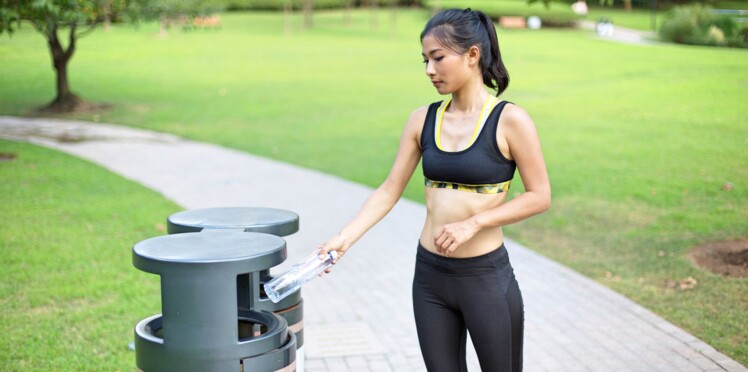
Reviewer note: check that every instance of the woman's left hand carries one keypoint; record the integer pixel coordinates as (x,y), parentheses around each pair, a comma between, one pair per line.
(450,236)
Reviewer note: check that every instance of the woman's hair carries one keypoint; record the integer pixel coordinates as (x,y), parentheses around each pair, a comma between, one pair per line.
(458,30)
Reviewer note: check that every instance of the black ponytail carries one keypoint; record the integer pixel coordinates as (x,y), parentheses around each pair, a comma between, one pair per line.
(495,75)
(459,30)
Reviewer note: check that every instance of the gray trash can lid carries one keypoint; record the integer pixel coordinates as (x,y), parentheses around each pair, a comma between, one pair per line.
(278,222)
(234,251)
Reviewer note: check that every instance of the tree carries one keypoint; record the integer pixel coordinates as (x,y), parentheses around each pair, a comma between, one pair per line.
(80,17)
(52,18)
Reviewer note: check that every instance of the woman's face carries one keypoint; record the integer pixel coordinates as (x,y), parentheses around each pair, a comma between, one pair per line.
(447,70)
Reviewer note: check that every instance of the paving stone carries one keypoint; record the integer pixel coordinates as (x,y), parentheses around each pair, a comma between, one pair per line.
(315,363)
(356,362)
(382,366)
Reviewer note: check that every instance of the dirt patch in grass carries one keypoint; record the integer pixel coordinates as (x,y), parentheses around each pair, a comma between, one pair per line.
(728,258)
(77,106)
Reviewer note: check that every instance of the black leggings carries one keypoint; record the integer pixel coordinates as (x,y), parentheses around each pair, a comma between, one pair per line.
(476,294)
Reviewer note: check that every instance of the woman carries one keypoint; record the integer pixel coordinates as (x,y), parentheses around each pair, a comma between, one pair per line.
(471,145)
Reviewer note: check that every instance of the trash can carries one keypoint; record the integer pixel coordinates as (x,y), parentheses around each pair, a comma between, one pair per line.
(251,294)
(201,327)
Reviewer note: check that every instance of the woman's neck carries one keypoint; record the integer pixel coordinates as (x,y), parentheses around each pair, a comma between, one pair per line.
(469,99)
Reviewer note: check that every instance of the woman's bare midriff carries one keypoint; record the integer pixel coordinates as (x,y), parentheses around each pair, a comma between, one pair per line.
(444,206)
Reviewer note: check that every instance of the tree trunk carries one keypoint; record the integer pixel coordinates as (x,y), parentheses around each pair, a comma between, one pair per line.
(308,9)
(163,25)
(107,10)
(347,13)
(393,18)
(627,5)
(374,14)
(287,13)
(65,100)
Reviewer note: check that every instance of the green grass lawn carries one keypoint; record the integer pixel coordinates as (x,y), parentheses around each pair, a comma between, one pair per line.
(70,294)
(639,140)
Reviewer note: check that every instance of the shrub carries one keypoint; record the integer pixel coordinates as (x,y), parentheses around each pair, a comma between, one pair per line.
(695,24)
(728,25)
(678,30)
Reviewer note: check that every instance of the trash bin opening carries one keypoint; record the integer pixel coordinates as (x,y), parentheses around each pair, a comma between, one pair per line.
(249,329)
(155,328)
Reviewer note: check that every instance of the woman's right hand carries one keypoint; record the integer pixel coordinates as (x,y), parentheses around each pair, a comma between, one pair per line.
(337,243)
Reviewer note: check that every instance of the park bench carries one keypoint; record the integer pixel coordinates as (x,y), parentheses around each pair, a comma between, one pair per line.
(732,12)
(508,22)
(212,21)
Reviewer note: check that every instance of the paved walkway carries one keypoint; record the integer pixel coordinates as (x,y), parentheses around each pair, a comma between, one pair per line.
(624,35)
(359,317)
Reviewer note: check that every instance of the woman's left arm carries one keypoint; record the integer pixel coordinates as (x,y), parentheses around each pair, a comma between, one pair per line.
(524,147)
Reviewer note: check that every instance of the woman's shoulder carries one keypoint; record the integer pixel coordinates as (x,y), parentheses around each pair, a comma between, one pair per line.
(420,112)
(416,121)
(514,116)
(418,116)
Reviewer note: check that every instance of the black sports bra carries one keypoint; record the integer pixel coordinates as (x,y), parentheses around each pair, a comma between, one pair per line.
(479,168)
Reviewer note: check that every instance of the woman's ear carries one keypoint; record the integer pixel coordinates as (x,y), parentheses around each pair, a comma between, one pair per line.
(473,55)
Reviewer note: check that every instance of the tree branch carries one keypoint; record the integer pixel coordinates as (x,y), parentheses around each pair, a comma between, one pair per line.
(54,46)
(88,30)
(71,44)
(35,23)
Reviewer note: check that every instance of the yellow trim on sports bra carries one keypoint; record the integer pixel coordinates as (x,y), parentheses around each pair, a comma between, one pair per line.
(494,188)
(478,126)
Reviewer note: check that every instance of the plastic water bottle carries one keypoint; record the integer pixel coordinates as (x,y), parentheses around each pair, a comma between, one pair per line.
(300,273)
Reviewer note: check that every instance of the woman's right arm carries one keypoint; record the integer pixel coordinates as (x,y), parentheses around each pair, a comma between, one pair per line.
(388,193)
